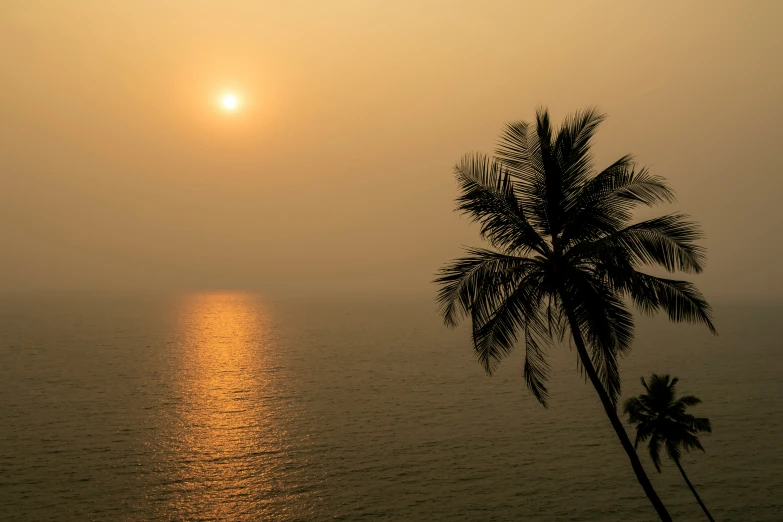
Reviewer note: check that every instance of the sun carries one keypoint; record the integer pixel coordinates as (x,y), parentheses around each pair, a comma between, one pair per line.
(229,101)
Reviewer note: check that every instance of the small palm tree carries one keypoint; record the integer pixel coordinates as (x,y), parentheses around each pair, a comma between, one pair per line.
(660,417)
(566,257)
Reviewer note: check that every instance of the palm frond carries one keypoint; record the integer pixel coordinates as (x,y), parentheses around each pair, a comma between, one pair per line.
(690,441)
(604,204)
(519,151)
(606,323)
(619,183)
(572,148)
(654,447)
(465,279)
(701,425)
(488,197)
(686,400)
(667,241)
(536,369)
(635,410)
(495,329)
(553,197)
(643,432)
(673,450)
(681,300)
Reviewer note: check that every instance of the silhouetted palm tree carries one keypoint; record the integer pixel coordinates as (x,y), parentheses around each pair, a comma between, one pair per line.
(565,257)
(660,417)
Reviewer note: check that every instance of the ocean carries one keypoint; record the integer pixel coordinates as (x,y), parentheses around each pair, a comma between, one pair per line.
(235,406)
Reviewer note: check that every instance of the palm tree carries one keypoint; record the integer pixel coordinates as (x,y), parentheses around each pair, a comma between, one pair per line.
(565,258)
(660,417)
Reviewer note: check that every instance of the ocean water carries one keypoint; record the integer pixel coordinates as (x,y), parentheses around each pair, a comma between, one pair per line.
(233,406)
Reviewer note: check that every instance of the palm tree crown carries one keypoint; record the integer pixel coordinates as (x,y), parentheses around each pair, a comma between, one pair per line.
(660,417)
(565,254)
(566,257)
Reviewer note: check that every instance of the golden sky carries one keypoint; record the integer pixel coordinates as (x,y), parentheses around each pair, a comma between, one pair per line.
(120,171)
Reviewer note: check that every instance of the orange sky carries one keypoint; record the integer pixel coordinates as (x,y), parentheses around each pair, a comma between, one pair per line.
(119,171)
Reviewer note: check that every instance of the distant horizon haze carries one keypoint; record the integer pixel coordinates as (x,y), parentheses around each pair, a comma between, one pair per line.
(121,174)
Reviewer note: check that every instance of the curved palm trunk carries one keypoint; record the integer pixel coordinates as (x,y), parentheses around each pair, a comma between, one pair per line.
(693,490)
(611,412)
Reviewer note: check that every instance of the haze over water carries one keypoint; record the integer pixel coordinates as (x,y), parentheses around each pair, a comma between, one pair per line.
(234,406)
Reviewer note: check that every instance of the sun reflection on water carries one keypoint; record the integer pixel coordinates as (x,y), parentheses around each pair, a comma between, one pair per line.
(226,439)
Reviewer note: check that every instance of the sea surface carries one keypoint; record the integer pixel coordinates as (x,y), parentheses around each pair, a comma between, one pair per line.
(234,406)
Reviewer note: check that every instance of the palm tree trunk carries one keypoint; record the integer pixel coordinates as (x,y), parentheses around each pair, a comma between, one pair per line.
(693,490)
(611,412)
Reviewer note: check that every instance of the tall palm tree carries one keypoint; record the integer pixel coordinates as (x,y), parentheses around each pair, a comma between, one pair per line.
(565,258)
(660,417)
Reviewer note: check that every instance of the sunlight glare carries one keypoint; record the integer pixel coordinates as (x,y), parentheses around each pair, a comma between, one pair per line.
(229,102)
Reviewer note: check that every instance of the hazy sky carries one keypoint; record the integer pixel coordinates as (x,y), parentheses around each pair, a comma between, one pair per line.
(119,171)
